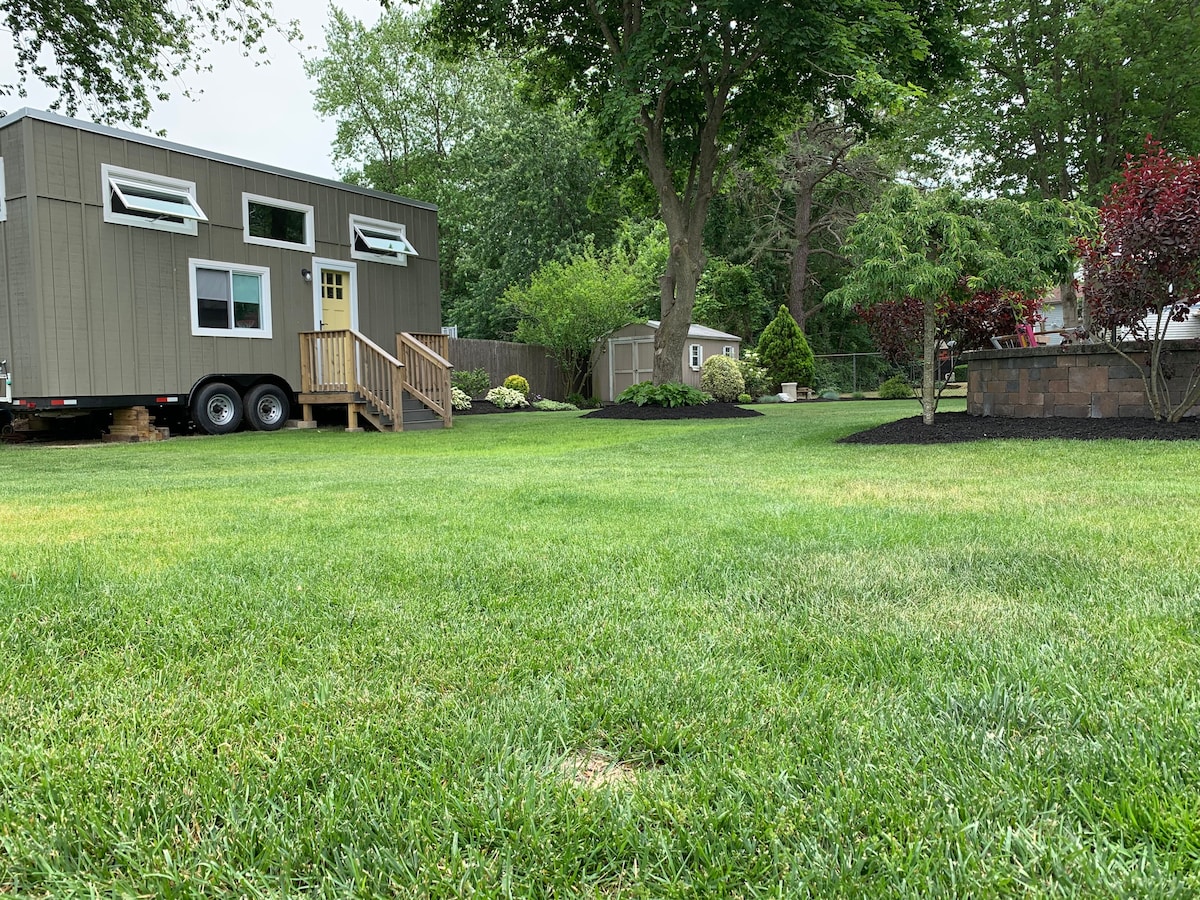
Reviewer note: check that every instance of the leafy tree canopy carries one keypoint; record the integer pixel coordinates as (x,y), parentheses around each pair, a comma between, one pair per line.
(682,86)
(567,307)
(512,181)
(1062,90)
(1143,267)
(117,56)
(937,245)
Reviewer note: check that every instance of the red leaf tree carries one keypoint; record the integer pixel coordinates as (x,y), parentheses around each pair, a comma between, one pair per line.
(965,321)
(1142,270)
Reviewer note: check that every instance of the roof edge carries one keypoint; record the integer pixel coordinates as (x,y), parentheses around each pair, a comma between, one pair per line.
(108,131)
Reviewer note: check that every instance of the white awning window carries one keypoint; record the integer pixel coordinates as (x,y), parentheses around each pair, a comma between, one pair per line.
(146,200)
(156,200)
(380,241)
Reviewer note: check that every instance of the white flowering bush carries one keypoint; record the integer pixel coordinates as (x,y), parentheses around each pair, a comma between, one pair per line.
(459,399)
(505,398)
(554,406)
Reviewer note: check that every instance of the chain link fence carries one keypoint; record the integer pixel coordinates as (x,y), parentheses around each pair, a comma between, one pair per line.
(849,373)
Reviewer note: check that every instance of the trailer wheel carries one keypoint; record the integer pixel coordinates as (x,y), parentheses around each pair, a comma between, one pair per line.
(267,407)
(217,408)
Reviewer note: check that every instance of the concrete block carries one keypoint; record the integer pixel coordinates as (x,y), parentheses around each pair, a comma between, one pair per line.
(1072,411)
(1088,380)
(1104,406)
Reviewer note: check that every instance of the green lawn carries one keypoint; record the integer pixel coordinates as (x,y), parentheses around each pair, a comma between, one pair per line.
(539,656)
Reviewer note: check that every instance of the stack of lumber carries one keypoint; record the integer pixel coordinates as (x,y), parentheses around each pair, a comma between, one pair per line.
(133,425)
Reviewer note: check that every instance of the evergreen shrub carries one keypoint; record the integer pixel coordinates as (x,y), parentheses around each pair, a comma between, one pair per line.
(720,377)
(517,383)
(784,352)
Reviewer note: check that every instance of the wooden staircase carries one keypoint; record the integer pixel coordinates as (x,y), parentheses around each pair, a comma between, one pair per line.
(406,392)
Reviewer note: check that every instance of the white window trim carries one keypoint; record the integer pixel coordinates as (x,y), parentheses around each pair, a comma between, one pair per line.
(727,350)
(695,356)
(395,229)
(3,193)
(310,243)
(320,263)
(237,268)
(187,226)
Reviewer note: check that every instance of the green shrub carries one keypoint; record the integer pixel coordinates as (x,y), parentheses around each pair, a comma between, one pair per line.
(577,399)
(858,395)
(553,406)
(459,399)
(830,394)
(960,372)
(670,394)
(472,382)
(506,398)
(896,388)
(720,377)
(756,378)
(517,383)
(784,351)
(745,398)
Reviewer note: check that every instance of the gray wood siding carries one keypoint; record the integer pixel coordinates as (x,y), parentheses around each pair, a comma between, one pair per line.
(19,341)
(111,303)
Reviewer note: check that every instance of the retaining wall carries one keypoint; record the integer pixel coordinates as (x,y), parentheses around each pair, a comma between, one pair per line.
(1071,381)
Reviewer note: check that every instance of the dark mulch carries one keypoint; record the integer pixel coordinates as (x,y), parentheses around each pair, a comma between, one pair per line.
(483,408)
(706,411)
(959,427)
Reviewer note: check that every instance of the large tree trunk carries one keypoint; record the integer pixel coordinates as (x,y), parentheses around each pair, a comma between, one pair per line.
(801,231)
(684,213)
(929,343)
(678,299)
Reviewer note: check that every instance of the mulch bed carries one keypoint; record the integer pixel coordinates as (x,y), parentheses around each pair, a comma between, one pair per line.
(706,411)
(631,411)
(947,428)
(959,427)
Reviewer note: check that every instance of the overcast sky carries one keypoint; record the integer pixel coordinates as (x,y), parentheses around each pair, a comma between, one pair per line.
(263,114)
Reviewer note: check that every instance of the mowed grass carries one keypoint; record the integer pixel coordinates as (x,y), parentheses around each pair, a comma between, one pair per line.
(542,656)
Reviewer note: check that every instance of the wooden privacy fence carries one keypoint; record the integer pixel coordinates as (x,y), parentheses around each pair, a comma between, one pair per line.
(501,359)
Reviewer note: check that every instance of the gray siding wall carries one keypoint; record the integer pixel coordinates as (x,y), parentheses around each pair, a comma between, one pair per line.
(19,340)
(112,305)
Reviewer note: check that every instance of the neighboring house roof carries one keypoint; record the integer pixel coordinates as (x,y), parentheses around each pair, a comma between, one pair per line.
(28,113)
(701,331)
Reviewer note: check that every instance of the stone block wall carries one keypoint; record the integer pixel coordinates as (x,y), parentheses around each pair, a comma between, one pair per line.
(1072,381)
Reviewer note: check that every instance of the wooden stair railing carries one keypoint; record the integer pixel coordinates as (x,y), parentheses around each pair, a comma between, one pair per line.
(438,343)
(349,363)
(426,375)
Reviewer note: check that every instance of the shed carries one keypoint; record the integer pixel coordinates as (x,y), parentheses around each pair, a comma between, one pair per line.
(626,356)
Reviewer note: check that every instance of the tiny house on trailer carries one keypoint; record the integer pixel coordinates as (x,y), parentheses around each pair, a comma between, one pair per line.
(135,272)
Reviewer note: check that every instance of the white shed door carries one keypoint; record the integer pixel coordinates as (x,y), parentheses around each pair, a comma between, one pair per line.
(631,361)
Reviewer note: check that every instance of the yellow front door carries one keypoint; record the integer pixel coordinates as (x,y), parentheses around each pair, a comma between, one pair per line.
(335,300)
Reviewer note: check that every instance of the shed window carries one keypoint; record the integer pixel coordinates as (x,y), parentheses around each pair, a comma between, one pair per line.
(695,355)
(277,223)
(728,351)
(230,300)
(380,241)
(150,201)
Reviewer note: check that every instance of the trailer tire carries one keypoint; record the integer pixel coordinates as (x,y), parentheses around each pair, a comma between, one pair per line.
(267,407)
(217,408)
